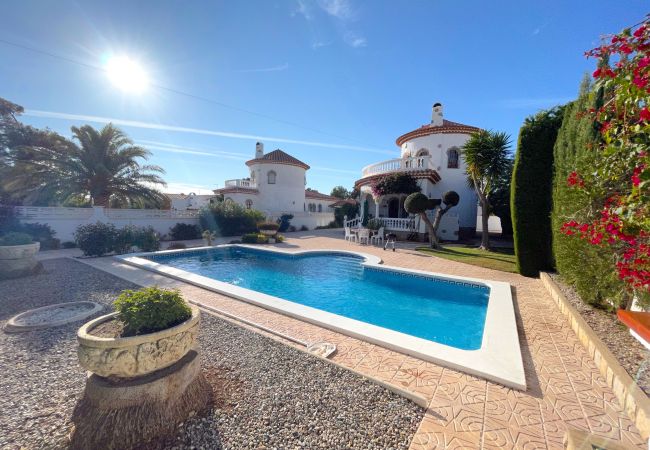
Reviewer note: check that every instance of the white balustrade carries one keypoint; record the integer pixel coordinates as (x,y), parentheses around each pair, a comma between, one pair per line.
(398,224)
(241,182)
(352,222)
(398,165)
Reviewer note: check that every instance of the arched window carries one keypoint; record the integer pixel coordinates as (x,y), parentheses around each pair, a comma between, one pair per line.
(253,176)
(452,158)
(249,203)
(271,177)
(320,208)
(422,152)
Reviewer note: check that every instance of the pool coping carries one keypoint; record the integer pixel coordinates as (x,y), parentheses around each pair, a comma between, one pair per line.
(498,359)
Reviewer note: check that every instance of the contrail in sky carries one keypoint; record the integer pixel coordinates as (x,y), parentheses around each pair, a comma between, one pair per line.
(227,134)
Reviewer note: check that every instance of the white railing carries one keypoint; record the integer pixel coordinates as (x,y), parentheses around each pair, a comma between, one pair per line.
(52,212)
(241,182)
(396,224)
(398,165)
(355,222)
(150,213)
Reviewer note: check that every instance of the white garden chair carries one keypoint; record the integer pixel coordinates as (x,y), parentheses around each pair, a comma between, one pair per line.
(364,235)
(349,235)
(378,237)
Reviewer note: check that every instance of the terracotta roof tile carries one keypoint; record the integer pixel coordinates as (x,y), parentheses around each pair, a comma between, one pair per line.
(278,157)
(447,127)
(319,196)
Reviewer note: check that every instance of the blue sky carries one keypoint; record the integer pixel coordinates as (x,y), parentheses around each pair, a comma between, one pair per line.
(332,82)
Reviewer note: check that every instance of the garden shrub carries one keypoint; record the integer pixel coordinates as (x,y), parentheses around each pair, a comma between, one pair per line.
(254,238)
(146,239)
(285,222)
(229,219)
(41,232)
(68,244)
(185,232)
(150,309)
(374,224)
(304,228)
(531,192)
(291,229)
(95,239)
(123,239)
(14,238)
(176,246)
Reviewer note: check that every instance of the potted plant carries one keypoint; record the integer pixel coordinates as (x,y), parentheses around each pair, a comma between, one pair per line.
(17,255)
(151,329)
(208,236)
(374,224)
(268,228)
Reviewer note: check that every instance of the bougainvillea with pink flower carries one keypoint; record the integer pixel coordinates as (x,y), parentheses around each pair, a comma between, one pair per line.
(618,184)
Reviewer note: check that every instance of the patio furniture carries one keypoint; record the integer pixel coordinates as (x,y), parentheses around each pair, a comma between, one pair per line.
(349,236)
(390,239)
(364,235)
(378,237)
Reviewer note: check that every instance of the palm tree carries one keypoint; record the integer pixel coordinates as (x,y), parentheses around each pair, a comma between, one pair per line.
(103,167)
(487,161)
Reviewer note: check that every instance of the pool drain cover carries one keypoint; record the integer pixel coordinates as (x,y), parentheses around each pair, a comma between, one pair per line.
(322,349)
(51,316)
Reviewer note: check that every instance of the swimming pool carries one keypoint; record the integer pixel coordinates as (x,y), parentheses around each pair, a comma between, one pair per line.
(463,323)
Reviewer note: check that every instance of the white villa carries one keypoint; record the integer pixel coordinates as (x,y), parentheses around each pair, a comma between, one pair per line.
(276,186)
(432,154)
(189,202)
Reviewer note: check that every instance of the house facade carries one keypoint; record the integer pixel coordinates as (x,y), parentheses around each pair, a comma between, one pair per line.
(432,154)
(189,202)
(276,186)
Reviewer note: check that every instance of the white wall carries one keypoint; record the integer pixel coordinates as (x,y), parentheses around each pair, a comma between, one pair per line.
(64,221)
(451,179)
(288,192)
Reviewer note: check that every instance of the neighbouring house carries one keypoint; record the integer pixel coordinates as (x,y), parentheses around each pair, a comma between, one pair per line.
(432,154)
(189,202)
(276,186)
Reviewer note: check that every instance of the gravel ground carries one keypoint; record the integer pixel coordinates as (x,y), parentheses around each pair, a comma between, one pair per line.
(267,395)
(629,352)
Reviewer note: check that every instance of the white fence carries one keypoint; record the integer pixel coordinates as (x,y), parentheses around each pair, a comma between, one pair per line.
(64,221)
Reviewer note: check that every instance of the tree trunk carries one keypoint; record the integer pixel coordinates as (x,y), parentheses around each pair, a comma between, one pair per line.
(433,237)
(101,200)
(485,233)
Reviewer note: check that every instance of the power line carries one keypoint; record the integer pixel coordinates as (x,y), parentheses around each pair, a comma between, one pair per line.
(182,93)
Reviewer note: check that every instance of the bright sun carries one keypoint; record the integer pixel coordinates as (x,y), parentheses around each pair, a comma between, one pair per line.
(126,74)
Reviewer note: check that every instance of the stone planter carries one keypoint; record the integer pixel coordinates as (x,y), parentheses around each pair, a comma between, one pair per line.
(269,233)
(127,357)
(18,260)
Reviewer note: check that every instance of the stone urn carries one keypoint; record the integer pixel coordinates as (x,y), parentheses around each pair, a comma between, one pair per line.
(134,356)
(18,260)
(269,233)
(134,376)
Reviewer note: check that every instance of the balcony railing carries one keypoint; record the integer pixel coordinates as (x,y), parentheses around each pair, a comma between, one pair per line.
(241,182)
(398,165)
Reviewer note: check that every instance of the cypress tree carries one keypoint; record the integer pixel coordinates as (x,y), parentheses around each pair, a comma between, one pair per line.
(531,202)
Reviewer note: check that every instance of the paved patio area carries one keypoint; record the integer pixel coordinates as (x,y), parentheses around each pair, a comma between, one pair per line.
(565,389)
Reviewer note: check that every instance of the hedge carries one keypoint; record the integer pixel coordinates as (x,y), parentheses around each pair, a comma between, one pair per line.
(531,192)
(228,218)
(587,267)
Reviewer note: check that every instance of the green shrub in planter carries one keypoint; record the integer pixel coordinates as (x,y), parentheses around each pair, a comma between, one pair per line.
(150,309)
(254,238)
(146,239)
(373,224)
(185,232)
(41,232)
(13,238)
(271,226)
(95,239)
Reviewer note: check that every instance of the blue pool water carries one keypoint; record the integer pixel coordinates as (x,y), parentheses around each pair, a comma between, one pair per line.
(439,310)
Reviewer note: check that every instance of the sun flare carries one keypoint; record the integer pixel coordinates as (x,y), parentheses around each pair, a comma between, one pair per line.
(127,74)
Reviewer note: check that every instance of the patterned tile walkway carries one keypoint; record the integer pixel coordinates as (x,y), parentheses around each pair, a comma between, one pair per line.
(565,389)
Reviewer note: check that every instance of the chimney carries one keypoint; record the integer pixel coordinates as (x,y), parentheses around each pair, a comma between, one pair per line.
(436,115)
(259,150)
